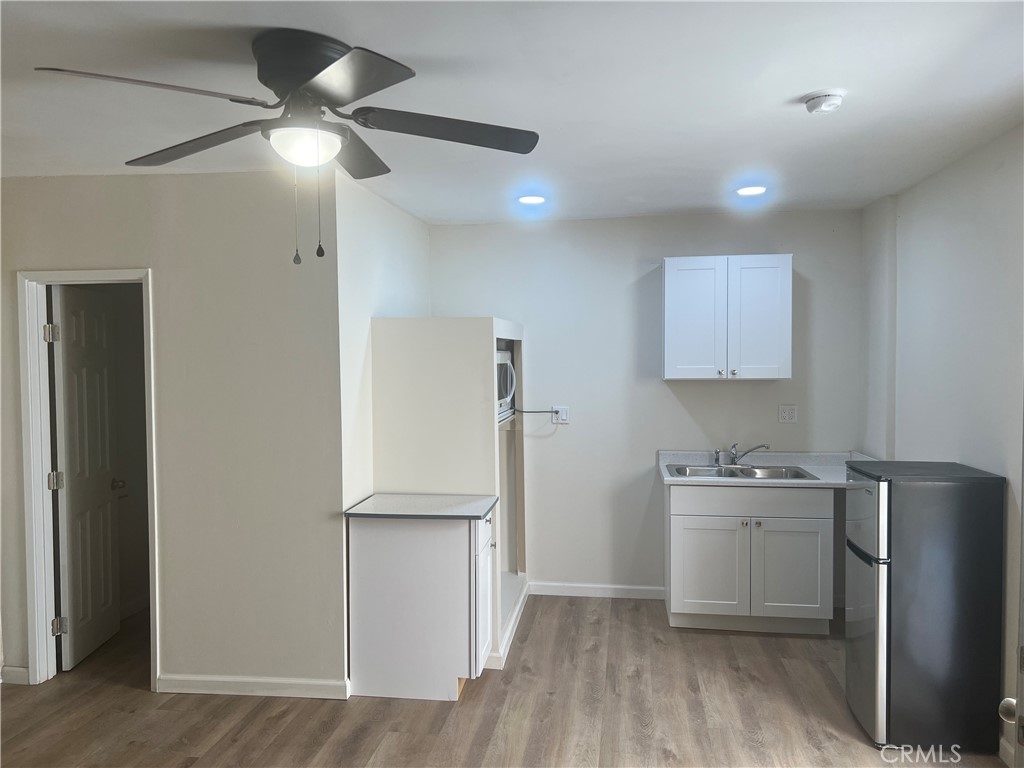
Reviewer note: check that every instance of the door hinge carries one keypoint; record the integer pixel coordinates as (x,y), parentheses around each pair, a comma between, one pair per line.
(59,626)
(51,333)
(54,481)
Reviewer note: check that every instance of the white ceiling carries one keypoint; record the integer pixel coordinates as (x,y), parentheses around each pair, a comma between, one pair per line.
(641,107)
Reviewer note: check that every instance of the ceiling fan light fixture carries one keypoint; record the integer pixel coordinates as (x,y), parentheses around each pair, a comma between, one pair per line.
(305,147)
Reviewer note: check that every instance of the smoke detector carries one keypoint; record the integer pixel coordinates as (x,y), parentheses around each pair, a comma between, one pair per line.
(825,101)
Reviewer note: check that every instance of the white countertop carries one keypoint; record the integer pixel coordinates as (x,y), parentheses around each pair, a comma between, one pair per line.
(424,506)
(829,468)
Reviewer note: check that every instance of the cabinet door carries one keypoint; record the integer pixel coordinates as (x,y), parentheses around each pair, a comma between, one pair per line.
(482,607)
(696,317)
(710,565)
(760,316)
(791,568)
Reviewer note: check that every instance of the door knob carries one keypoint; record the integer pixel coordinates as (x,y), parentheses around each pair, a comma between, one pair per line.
(117,485)
(1008,710)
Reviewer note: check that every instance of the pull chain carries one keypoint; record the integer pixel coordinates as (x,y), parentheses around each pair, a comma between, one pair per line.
(319,236)
(295,187)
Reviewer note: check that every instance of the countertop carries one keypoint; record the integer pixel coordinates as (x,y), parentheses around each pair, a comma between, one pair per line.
(424,506)
(829,468)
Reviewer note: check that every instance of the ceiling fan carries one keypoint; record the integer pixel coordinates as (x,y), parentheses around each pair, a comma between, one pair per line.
(310,73)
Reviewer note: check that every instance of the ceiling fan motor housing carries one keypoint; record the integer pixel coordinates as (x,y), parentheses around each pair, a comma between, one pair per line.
(288,58)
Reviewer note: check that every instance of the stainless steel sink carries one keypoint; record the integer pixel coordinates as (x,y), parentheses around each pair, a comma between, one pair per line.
(774,473)
(684,470)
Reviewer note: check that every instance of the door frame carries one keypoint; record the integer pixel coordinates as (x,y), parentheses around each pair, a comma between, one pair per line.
(35,422)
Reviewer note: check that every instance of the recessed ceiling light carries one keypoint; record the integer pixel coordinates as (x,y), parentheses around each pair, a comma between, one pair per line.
(531,199)
(749,191)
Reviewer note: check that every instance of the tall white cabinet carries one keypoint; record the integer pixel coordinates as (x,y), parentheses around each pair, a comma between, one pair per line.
(435,431)
(728,317)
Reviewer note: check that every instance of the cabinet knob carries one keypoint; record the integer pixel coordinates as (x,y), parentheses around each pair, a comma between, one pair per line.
(734,372)
(721,371)
(494,545)
(744,523)
(757,524)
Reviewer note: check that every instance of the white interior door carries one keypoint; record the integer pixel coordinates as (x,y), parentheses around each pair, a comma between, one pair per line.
(85,402)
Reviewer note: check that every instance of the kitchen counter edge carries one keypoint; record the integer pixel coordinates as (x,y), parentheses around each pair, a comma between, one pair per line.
(424,506)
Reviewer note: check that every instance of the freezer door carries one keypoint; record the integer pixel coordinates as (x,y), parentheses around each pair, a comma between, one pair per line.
(867,613)
(867,514)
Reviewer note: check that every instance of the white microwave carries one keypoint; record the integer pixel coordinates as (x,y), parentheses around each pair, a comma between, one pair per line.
(506,378)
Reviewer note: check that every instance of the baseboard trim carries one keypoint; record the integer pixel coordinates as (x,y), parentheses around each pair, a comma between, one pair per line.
(771,624)
(572,589)
(14,675)
(496,660)
(296,687)
(1006,751)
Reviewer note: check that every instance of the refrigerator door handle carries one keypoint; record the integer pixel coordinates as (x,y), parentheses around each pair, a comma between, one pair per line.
(864,556)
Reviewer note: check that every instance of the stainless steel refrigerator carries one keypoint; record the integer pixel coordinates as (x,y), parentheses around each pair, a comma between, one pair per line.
(924,601)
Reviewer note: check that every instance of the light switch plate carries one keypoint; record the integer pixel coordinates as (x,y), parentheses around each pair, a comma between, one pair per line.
(787,414)
(560,415)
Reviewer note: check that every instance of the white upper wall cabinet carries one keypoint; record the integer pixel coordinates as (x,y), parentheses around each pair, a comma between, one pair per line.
(729,317)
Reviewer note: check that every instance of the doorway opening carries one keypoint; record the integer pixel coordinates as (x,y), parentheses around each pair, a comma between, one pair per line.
(89,465)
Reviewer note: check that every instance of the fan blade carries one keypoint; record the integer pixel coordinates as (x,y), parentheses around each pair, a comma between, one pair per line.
(355,75)
(150,84)
(447,129)
(359,160)
(192,146)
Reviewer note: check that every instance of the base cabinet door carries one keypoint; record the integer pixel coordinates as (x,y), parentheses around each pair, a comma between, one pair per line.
(482,623)
(791,568)
(710,565)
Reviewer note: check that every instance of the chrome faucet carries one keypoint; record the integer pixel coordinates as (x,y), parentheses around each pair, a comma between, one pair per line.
(735,457)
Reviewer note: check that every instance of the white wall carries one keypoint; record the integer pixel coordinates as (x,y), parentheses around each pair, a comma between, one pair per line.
(589,296)
(382,272)
(878,239)
(247,408)
(960,331)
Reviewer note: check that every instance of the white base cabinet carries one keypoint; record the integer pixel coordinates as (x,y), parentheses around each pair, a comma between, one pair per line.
(749,552)
(420,605)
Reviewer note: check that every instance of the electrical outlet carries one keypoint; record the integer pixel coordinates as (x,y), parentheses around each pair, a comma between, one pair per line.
(560,414)
(787,414)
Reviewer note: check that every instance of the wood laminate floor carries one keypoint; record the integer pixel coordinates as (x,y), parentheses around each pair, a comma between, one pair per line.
(589,681)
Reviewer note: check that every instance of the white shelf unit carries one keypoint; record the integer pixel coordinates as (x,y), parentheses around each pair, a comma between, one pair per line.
(435,430)
(728,317)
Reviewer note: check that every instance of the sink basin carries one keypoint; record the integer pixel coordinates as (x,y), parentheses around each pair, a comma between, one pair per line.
(774,473)
(683,470)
